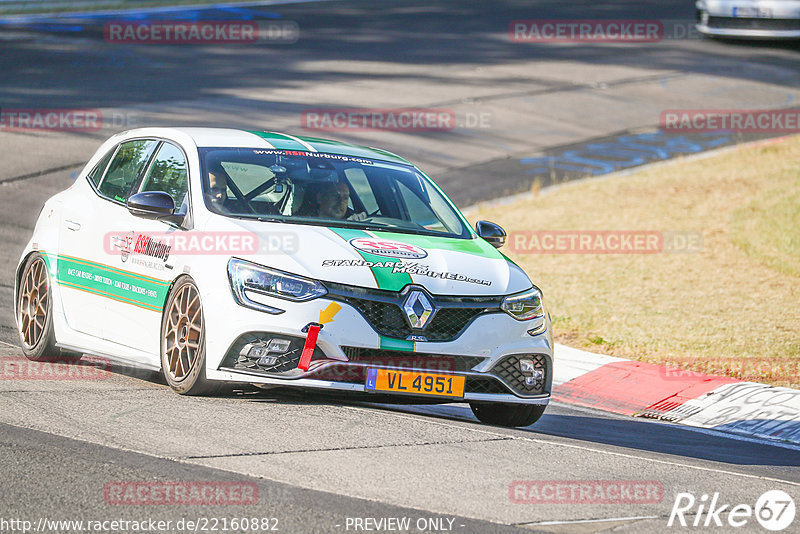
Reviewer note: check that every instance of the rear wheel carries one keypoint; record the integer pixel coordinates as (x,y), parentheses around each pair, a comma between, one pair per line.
(183,354)
(507,414)
(35,314)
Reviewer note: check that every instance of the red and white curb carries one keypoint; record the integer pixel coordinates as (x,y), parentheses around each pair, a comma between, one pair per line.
(695,399)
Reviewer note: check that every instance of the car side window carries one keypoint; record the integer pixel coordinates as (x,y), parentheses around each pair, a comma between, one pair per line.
(125,169)
(97,173)
(168,173)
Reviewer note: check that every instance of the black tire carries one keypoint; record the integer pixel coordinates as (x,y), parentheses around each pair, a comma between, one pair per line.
(35,314)
(183,346)
(511,415)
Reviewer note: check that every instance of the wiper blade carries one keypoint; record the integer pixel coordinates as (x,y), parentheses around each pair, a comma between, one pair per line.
(270,219)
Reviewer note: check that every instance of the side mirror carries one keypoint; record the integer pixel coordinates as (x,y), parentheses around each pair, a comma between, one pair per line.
(491,232)
(152,205)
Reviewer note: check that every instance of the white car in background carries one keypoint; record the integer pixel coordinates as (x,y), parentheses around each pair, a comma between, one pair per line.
(768,19)
(219,256)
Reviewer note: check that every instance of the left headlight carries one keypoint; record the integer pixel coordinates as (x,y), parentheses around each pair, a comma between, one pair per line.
(524,306)
(246,277)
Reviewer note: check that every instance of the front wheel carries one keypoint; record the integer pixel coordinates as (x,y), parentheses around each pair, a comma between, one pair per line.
(507,414)
(183,343)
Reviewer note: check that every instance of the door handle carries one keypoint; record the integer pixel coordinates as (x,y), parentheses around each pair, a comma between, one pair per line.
(72,225)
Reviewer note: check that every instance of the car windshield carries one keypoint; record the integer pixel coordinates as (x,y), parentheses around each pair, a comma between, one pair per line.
(325,189)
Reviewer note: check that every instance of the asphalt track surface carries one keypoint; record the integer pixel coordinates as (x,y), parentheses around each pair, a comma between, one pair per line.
(318,461)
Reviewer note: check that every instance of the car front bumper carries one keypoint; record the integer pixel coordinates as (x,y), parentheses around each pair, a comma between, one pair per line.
(756,19)
(486,352)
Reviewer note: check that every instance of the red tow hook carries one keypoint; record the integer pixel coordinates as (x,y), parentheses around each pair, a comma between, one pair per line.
(311,343)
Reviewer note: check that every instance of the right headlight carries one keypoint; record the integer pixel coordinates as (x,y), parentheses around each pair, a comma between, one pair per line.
(524,306)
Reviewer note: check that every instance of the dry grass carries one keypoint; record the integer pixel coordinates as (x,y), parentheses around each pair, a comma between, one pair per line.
(733,308)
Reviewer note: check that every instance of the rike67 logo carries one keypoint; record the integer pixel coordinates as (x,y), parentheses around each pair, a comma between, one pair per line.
(774,510)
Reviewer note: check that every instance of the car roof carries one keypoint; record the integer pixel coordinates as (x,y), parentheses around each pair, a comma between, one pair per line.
(237,138)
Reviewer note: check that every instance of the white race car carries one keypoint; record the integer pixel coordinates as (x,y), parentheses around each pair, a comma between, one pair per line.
(758,19)
(221,255)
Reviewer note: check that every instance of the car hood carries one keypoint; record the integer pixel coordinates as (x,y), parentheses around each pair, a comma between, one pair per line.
(382,260)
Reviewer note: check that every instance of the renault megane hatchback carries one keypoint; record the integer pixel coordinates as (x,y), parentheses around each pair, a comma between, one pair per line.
(220,256)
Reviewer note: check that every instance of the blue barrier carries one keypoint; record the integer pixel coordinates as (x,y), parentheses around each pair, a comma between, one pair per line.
(624,152)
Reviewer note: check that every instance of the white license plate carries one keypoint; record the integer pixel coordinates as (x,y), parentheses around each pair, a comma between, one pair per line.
(752,12)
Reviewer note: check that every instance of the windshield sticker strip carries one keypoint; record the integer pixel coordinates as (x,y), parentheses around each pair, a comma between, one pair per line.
(385,278)
(110,283)
(306,154)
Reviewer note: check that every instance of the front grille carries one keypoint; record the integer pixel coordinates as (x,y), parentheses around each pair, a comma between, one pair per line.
(742,23)
(344,372)
(412,360)
(480,384)
(448,323)
(383,310)
(508,370)
(387,319)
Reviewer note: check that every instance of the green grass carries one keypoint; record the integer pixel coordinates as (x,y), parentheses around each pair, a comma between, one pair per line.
(768,229)
(731,308)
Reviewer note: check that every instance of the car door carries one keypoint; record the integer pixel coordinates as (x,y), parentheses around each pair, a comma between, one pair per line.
(86,274)
(149,255)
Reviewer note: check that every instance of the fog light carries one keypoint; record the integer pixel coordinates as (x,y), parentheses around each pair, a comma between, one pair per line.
(278,345)
(526,366)
(267,360)
(538,375)
(263,348)
(254,350)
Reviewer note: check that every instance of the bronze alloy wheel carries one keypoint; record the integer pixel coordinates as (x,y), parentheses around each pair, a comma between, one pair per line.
(183,346)
(32,306)
(182,335)
(35,314)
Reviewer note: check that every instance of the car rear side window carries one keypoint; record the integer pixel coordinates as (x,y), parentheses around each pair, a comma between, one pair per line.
(97,173)
(125,168)
(168,173)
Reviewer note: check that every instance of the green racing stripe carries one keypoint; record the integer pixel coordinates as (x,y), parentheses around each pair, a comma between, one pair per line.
(476,247)
(280,141)
(384,277)
(109,282)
